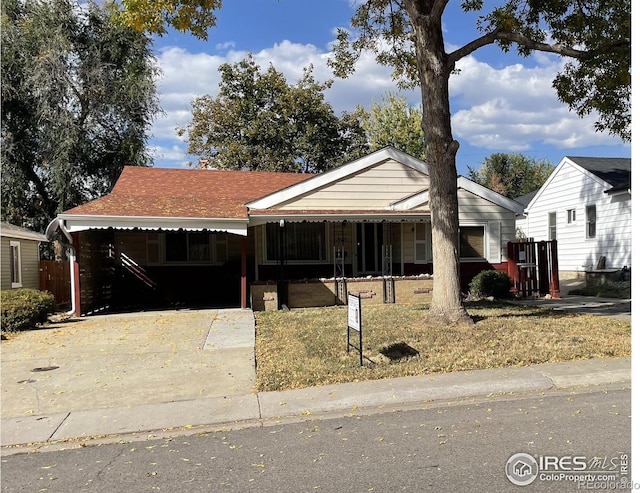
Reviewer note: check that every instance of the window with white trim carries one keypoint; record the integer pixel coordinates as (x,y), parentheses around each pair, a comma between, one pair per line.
(590,215)
(471,242)
(302,242)
(552,226)
(422,243)
(16,264)
(571,216)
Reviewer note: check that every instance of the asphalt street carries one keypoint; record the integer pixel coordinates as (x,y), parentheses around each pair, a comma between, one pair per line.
(459,445)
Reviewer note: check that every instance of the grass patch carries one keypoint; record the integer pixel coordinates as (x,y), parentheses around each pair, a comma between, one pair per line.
(307,347)
(604,291)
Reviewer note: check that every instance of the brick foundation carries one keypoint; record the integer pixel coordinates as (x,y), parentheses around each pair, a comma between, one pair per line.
(322,292)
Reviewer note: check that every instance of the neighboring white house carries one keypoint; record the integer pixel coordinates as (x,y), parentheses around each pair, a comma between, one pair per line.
(586,205)
(20,257)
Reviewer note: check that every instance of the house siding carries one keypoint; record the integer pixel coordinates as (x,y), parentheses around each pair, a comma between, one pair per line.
(30,263)
(573,188)
(375,188)
(476,210)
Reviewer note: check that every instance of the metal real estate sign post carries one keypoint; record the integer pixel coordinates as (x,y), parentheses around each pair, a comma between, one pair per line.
(354,321)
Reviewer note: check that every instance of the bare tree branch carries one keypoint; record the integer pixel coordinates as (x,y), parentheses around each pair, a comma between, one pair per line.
(517,38)
(558,49)
(472,46)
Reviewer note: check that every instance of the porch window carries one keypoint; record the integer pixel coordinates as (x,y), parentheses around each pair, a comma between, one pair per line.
(303,242)
(16,264)
(591,221)
(472,242)
(189,247)
(422,243)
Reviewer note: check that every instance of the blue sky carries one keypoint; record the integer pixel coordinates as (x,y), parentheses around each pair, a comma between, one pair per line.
(499,102)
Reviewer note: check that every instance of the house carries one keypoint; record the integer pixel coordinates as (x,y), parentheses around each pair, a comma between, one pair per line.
(585,205)
(20,257)
(171,236)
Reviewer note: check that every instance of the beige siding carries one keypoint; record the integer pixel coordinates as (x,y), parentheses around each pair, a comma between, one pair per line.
(375,188)
(475,210)
(132,244)
(6,263)
(30,263)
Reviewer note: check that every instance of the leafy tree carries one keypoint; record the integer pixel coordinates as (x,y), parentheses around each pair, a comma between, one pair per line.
(393,122)
(78,96)
(408,35)
(512,175)
(260,122)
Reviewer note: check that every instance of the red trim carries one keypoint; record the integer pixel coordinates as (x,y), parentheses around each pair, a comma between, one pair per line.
(243,275)
(76,276)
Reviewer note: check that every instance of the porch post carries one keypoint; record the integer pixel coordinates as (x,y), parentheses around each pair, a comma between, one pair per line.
(76,276)
(243,274)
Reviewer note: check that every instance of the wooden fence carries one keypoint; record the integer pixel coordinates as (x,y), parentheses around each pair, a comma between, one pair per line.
(55,277)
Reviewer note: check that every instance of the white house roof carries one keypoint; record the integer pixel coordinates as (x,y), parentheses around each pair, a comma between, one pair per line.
(12,231)
(612,173)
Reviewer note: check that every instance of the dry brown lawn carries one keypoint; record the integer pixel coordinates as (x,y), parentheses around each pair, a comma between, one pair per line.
(307,347)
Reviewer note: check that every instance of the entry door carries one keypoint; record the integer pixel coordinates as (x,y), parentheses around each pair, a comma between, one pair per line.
(369,248)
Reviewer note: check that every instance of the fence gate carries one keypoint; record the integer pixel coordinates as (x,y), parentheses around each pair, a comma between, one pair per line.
(55,277)
(533,267)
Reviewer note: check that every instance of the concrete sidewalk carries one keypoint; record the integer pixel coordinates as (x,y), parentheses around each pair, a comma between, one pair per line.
(250,409)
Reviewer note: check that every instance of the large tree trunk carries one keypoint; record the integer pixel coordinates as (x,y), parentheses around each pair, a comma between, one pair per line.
(434,70)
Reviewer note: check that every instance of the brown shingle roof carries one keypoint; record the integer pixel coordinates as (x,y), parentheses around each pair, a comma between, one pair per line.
(162,192)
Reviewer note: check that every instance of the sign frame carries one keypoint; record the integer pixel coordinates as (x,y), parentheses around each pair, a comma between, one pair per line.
(354,321)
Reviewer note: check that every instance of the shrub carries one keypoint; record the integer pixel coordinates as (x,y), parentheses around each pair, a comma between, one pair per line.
(491,283)
(22,309)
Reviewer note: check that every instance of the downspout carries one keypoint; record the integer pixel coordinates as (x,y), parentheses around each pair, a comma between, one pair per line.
(71,252)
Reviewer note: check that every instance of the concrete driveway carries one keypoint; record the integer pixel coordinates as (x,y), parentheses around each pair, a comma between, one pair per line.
(129,359)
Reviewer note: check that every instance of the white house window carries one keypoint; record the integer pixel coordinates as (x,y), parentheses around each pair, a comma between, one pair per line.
(552,226)
(571,216)
(16,264)
(472,242)
(303,242)
(591,221)
(422,243)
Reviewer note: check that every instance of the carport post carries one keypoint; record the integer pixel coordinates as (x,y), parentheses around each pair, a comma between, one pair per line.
(76,276)
(243,274)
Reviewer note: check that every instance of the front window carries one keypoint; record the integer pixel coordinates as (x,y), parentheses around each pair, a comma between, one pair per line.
(591,221)
(471,241)
(16,264)
(301,242)
(571,216)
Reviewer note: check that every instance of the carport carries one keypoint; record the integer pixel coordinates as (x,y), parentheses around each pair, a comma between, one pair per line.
(165,238)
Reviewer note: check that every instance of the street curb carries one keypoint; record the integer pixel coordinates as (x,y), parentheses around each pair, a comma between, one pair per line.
(36,432)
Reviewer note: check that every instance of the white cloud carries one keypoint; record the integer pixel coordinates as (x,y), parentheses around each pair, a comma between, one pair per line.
(505,109)
(510,108)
